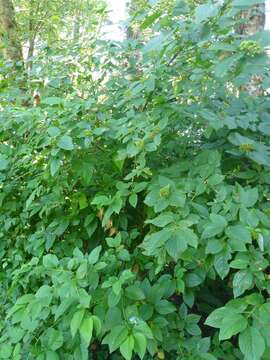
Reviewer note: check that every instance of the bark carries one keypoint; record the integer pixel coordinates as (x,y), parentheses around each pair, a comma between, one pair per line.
(30,53)
(8,32)
(254,21)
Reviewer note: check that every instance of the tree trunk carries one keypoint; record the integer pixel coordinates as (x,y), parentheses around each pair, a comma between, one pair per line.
(30,53)
(8,32)
(254,20)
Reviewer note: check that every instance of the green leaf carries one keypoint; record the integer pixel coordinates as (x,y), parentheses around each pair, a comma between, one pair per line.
(50,261)
(116,337)
(251,344)
(114,242)
(221,263)
(82,270)
(52,355)
(216,226)
(3,163)
(133,292)
(76,321)
(54,166)
(86,329)
(232,324)
(162,219)
(55,339)
(176,244)
(153,241)
(54,131)
(94,255)
(248,197)
(242,281)
(205,11)
(264,128)
(192,280)
(149,20)
(226,65)
(140,344)
(216,317)
(97,324)
(239,233)
(127,347)
(133,199)
(214,246)
(65,142)
(164,307)
(5,351)
(52,100)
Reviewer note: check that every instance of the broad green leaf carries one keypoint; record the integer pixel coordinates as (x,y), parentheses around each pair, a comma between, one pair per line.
(53,100)
(162,219)
(54,166)
(226,65)
(221,263)
(3,163)
(242,281)
(249,197)
(86,329)
(155,240)
(264,128)
(192,280)
(239,233)
(50,261)
(251,343)
(5,351)
(176,244)
(214,246)
(55,339)
(231,325)
(116,337)
(164,307)
(97,324)
(216,226)
(76,321)
(140,344)
(216,317)
(94,255)
(133,199)
(52,355)
(205,11)
(134,292)
(54,131)
(150,20)
(65,142)
(127,347)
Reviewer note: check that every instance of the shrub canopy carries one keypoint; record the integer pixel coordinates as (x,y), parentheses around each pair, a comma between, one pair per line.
(135,196)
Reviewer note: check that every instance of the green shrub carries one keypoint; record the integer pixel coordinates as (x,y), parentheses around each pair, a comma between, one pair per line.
(136,222)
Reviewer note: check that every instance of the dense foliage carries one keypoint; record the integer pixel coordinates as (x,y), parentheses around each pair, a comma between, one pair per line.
(135,195)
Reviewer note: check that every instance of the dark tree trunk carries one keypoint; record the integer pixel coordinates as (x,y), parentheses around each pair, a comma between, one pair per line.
(8,32)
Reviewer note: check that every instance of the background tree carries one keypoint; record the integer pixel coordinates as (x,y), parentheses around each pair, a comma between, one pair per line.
(9,33)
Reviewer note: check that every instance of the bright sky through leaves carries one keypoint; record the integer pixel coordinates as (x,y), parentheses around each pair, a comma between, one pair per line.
(118,15)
